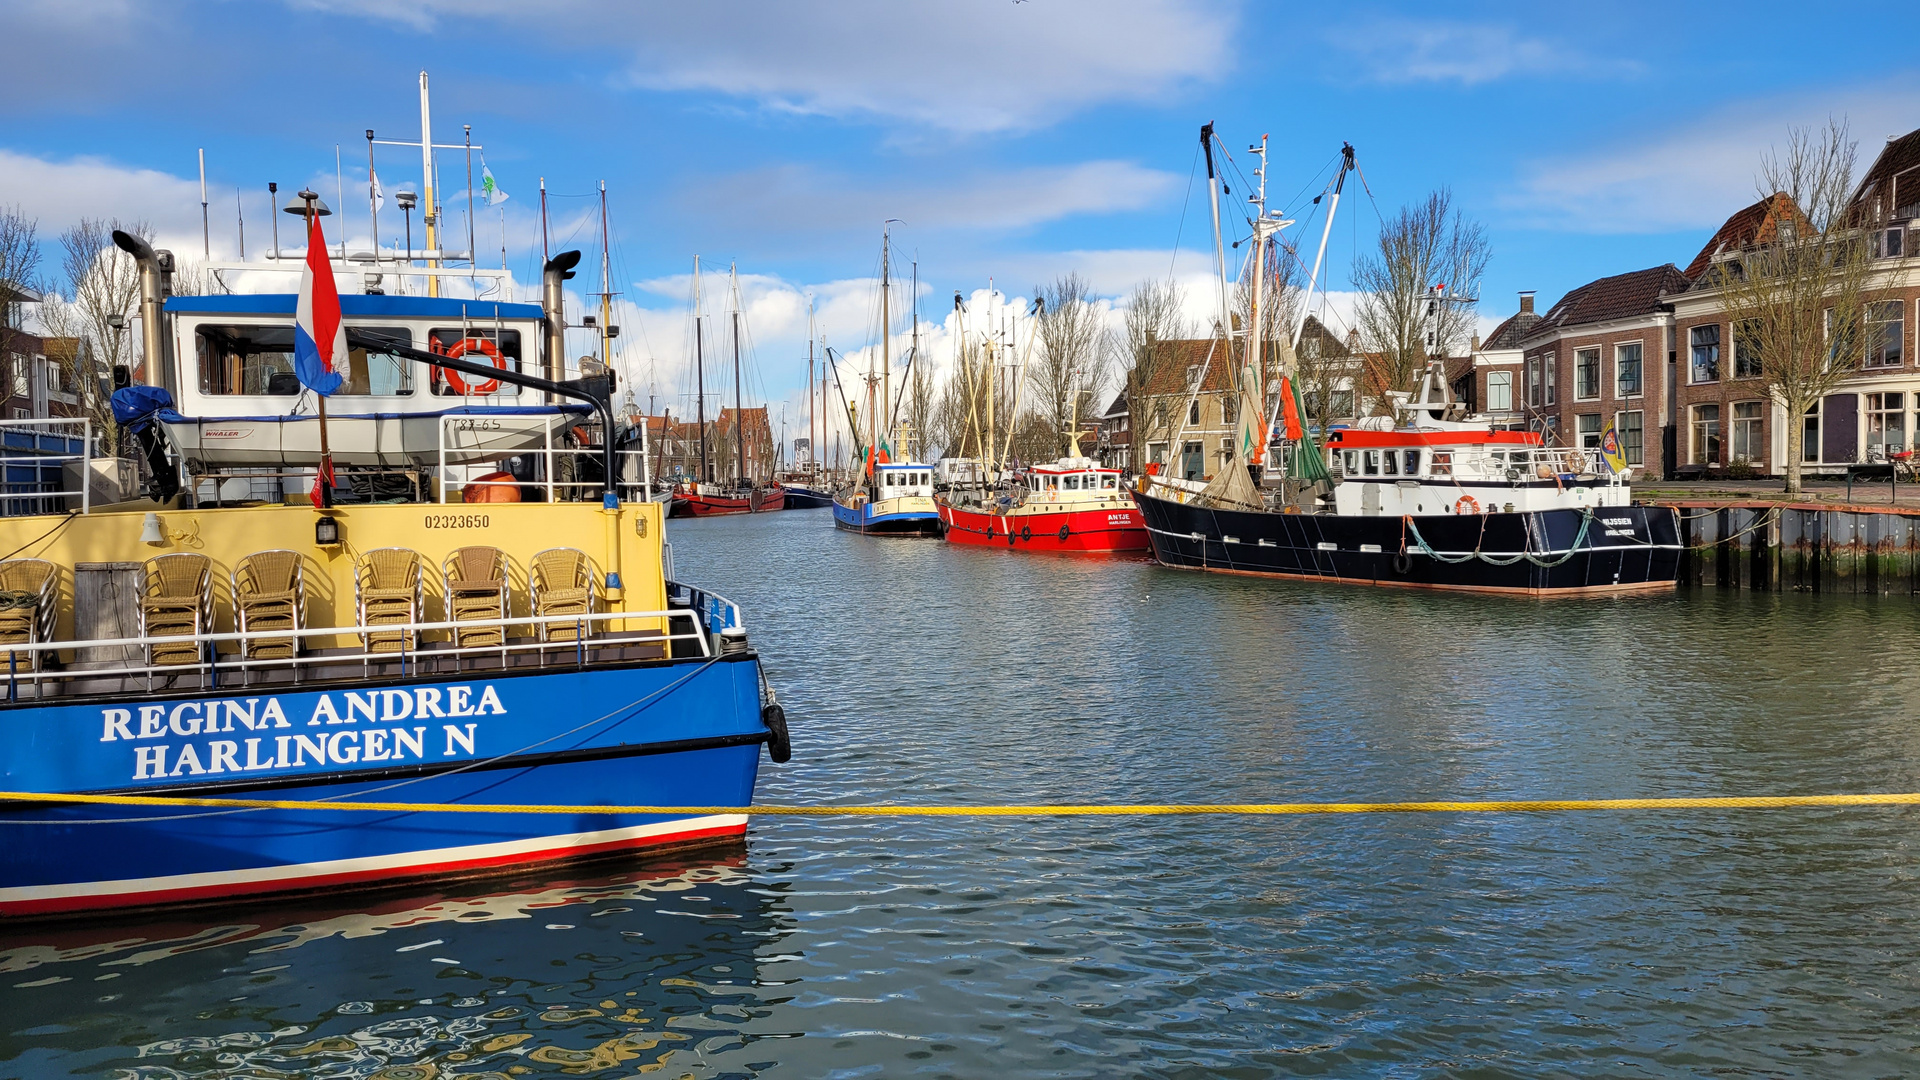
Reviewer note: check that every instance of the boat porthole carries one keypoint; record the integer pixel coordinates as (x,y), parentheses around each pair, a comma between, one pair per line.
(1063,534)
(1026,532)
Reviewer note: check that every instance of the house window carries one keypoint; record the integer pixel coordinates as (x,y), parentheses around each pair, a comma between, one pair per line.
(1746,351)
(1810,435)
(1706,434)
(1533,383)
(1887,421)
(1706,353)
(1193,412)
(1226,409)
(1550,368)
(1627,368)
(1887,243)
(1586,374)
(1193,463)
(1589,428)
(1632,437)
(1157,453)
(1886,333)
(1499,391)
(1746,431)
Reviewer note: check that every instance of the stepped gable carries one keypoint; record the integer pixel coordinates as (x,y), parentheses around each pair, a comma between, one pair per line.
(1616,297)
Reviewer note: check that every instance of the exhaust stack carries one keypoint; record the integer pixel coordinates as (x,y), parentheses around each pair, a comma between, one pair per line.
(156,284)
(553,303)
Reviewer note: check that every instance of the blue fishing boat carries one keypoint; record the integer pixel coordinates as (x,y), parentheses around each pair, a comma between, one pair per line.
(264,627)
(899,502)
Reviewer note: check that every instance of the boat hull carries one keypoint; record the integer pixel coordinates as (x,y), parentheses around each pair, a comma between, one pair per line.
(669,733)
(1105,531)
(867,521)
(760,501)
(802,498)
(1624,549)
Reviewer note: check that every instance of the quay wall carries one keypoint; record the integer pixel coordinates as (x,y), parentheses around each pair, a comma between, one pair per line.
(1790,547)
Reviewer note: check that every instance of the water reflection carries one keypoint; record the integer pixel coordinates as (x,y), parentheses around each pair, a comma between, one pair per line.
(572,973)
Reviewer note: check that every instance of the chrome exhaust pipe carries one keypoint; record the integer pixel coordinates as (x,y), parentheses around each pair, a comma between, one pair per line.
(553,303)
(156,284)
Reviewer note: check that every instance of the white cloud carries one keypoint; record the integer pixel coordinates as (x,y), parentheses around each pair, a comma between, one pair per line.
(1396,51)
(970,66)
(1698,171)
(61,192)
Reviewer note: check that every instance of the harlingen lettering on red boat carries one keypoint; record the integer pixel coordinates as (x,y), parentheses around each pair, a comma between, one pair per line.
(189,744)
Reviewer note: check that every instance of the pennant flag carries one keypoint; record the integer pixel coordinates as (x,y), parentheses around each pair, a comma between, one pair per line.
(319,337)
(488,188)
(379,196)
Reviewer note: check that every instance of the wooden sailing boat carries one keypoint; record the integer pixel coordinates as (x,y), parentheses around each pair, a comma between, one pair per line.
(887,497)
(749,487)
(807,487)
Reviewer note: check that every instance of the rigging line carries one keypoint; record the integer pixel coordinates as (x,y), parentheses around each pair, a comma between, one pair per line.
(1185,204)
(632,708)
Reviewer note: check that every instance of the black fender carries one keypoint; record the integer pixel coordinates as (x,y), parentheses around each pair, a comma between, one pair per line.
(779,745)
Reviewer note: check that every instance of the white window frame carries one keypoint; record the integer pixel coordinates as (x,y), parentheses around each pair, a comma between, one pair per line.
(1595,351)
(1642,392)
(1757,448)
(1506,385)
(1638,455)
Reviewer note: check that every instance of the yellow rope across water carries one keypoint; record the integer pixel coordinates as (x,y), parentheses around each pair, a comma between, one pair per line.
(1497,806)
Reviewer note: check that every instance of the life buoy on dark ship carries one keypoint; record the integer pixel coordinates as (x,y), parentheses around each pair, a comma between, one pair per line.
(1466,504)
(460,348)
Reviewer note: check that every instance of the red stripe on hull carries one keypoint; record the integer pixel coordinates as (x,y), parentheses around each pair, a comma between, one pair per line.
(1089,532)
(477,867)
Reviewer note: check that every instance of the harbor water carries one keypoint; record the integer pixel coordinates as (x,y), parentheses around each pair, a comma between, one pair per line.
(1620,943)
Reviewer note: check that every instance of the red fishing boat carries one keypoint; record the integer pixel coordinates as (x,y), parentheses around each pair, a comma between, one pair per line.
(1070,506)
(709,500)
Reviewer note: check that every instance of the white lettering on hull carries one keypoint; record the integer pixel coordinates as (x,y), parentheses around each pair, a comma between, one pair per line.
(186,725)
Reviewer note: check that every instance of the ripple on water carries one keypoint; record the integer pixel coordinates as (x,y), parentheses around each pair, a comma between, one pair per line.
(1654,943)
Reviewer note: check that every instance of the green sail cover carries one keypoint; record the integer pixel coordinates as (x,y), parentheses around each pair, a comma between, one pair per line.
(1308,463)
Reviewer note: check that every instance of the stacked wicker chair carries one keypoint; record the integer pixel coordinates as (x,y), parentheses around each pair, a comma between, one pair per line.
(476,582)
(387,589)
(176,600)
(269,594)
(561,584)
(27,589)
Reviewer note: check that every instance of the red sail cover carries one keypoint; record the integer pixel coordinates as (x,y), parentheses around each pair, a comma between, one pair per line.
(1289,410)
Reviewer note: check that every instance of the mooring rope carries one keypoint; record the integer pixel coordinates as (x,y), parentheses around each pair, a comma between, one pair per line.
(1448,806)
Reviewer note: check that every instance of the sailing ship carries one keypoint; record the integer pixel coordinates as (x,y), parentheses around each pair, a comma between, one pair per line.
(887,497)
(319,653)
(749,487)
(808,487)
(1433,498)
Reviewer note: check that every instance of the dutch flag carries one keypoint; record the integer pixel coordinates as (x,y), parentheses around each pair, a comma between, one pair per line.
(319,337)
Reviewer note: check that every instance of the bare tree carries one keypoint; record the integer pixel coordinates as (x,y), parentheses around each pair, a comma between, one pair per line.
(1328,374)
(1070,363)
(1798,296)
(102,287)
(19,269)
(917,408)
(1429,243)
(1155,322)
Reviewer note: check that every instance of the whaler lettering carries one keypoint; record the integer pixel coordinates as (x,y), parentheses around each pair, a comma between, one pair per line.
(187,755)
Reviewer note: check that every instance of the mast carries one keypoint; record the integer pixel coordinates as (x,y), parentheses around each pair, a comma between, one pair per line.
(427,196)
(810,413)
(1326,230)
(886,357)
(700,375)
(739,417)
(1219,249)
(606,291)
(1253,442)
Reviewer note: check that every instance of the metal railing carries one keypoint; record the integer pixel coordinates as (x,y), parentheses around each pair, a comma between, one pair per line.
(213,663)
(550,456)
(11,464)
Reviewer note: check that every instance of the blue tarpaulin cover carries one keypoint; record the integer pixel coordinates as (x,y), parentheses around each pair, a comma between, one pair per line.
(138,406)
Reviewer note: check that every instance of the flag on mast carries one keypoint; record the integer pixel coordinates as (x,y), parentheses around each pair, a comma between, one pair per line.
(319,337)
(379,196)
(490,190)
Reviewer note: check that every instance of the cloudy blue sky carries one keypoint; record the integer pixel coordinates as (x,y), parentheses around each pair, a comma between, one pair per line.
(1015,140)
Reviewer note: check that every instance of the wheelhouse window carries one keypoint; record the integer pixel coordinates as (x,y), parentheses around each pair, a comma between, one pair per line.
(1373,462)
(1390,463)
(258,360)
(1705,447)
(1705,343)
(1746,431)
(1886,333)
(1442,464)
(1350,462)
(1499,391)
(1628,370)
(1586,373)
(479,345)
(1887,421)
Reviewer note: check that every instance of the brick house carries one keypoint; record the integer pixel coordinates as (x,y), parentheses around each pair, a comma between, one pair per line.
(1498,368)
(1114,441)
(1596,357)
(37,377)
(1728,421)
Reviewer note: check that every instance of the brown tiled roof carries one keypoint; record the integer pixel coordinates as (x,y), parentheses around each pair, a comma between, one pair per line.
(1756,224)
(1901,155)
(1508,334)
(1170,374)
(1616,297)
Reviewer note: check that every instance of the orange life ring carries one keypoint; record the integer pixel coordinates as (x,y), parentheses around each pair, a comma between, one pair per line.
(460,348)
(1466,504)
